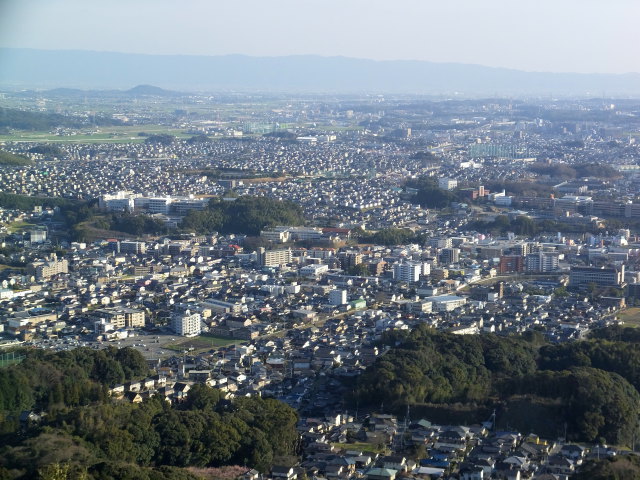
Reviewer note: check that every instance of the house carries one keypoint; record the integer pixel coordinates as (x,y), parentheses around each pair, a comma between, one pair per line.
(160,380)
(381,474)
(395,462)
(560,465)
(29,417)
(472,473)
(148,384)
(428,472)
(573,452)
(250,475)
(133,386)
(281,472)
(181,390)
(133,397)
(517,462)
(117,391)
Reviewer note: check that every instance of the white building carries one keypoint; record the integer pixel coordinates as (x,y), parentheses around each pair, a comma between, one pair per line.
(275,236)
(542,262)
(314,270)
(446,303)
(447,183)
(186,324)
(119,201)
(407,271)
(159,205)
(338,297)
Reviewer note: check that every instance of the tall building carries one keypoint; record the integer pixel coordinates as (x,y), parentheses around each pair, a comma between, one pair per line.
(338,297)
(44,269)
(133,247)
(449,255)
(37,236)
(600,276)
(541,262)
(120,317)
(186,323)
(274,258)
(441,242)
(407,271)
(511,264)
(349,259)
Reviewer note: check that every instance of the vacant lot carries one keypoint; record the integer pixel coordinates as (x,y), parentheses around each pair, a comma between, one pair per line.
(631,317)
(202,342)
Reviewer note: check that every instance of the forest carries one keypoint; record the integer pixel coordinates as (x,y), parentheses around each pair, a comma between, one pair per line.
(7,158)
(244,215)
(582,170)
(429,194)
(591,385)
(43,121)
(523,225)
(88,434)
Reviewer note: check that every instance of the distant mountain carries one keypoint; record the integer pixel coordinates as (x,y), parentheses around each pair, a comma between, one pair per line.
(26,68)
(151,90)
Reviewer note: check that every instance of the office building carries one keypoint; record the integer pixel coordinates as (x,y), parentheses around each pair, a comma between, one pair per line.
(600,276)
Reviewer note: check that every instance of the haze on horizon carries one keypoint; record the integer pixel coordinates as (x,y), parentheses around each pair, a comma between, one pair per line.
(582,36)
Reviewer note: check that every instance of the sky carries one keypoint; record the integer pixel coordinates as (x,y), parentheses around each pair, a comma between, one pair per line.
(585,36)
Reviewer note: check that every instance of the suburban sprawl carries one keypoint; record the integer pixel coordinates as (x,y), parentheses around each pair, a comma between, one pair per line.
(373,287)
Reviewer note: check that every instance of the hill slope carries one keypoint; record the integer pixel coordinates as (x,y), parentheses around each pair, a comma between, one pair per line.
(85,69)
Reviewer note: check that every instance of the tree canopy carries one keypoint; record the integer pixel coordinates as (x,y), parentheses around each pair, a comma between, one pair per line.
(594,381)
(246,215)
(429,194)
(87,433)
(8,158)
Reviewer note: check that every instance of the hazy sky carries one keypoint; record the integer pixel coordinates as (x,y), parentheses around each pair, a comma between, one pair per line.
(537,35)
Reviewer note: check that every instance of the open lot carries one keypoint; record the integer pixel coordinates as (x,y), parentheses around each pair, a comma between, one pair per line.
(19,226)
(630,317)
(202,342)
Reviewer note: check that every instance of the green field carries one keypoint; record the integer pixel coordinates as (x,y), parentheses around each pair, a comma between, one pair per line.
(202,342)
(20,226)
(630,317)
(119,134)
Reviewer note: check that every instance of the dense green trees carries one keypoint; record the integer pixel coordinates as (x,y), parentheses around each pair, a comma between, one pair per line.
(246,215)
(42,121)
(390,236)
(88,435)
(523,225)
(161,139)
(429,194)
(595,382)
(599,405)
(49,381)
(626,467)
(562,170)
(438,367)
(47,150)
(137,224)
(7,158)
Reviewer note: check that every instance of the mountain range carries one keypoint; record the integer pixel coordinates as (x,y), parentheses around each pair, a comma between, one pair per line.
(45,69)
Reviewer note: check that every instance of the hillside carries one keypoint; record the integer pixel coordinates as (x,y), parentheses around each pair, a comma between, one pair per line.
(590,386)
(85,69)
(7,158)
(86,433)
(246,215)
(44,121)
